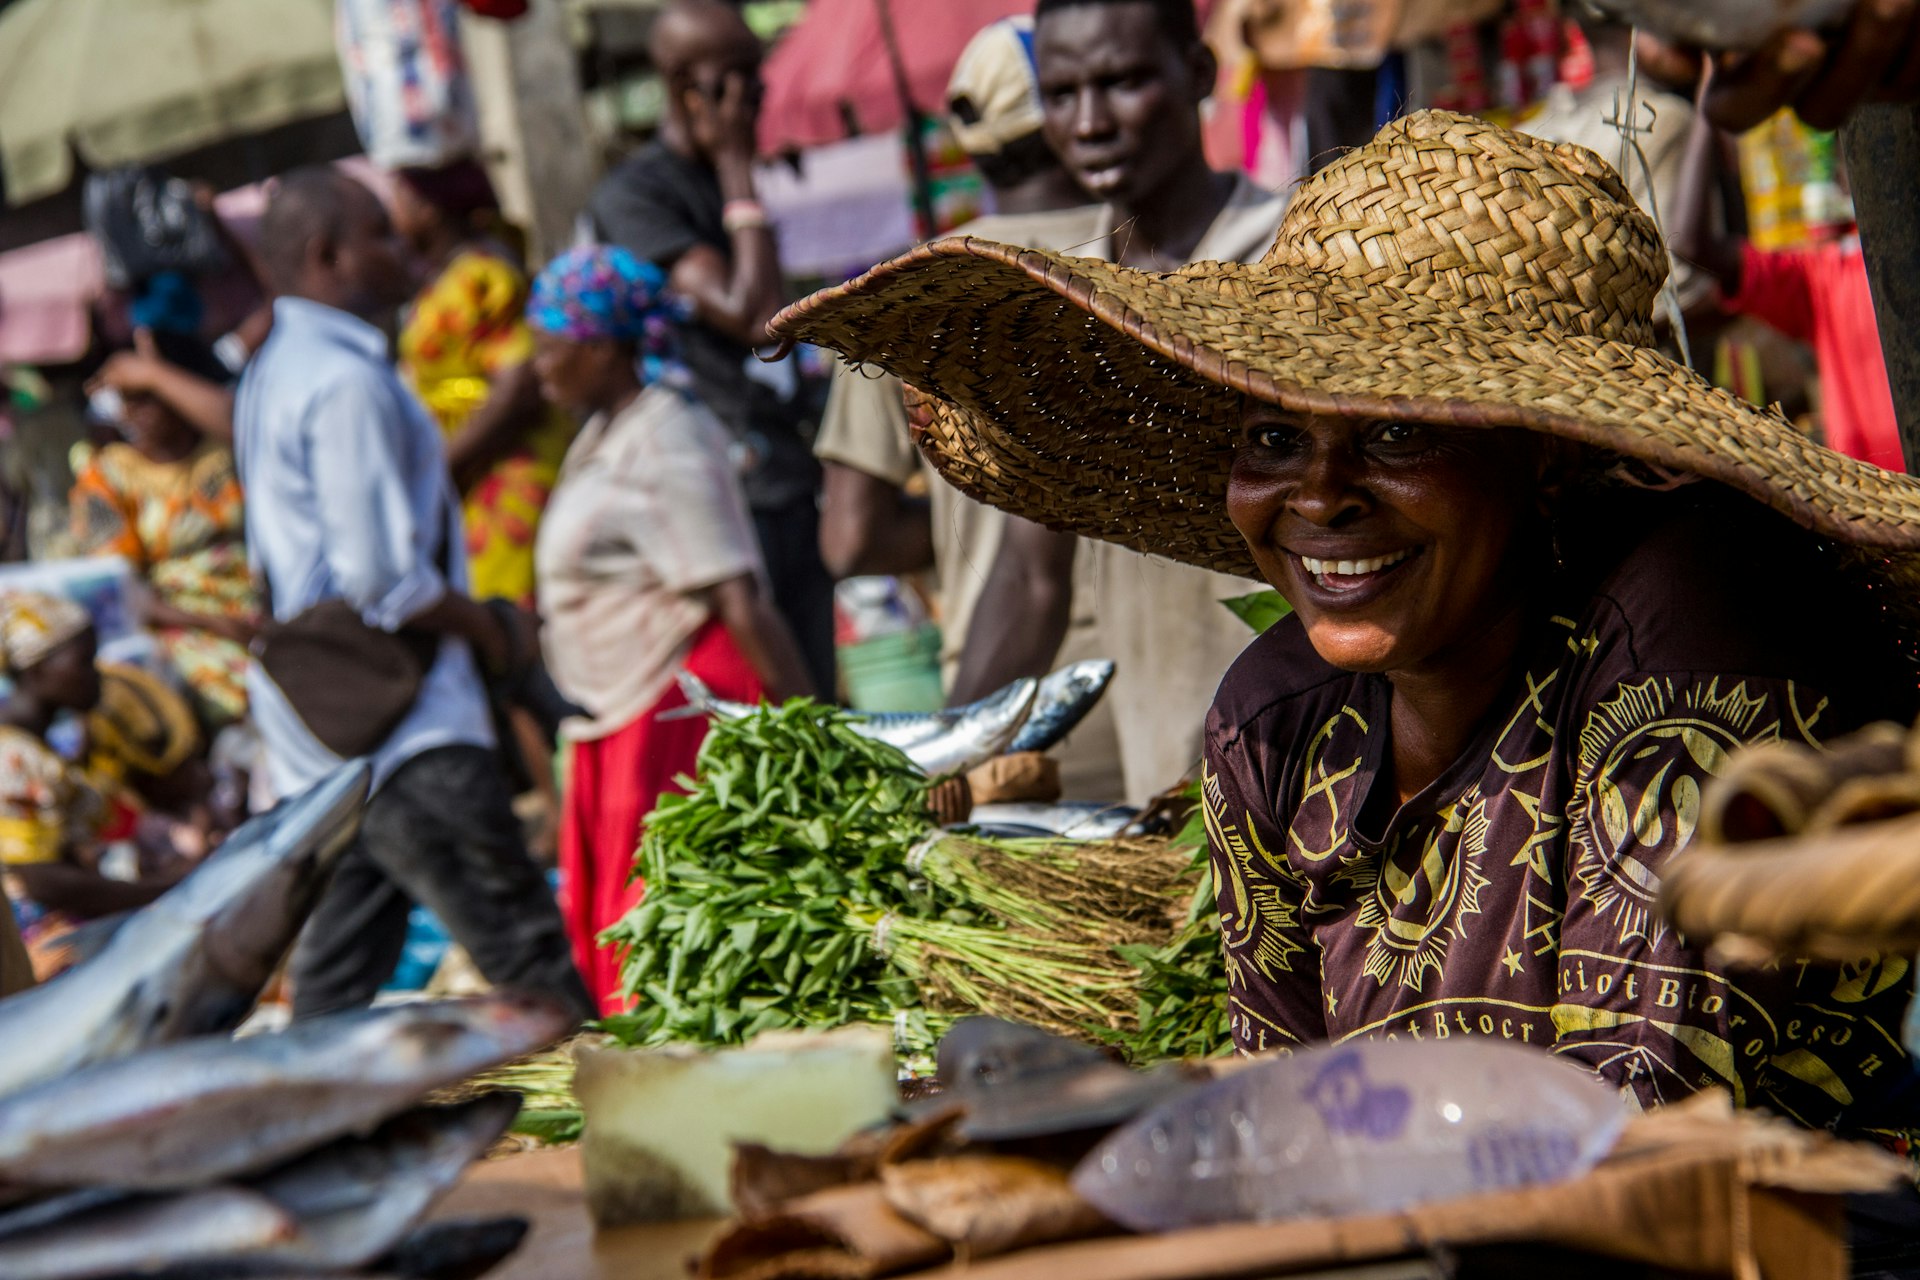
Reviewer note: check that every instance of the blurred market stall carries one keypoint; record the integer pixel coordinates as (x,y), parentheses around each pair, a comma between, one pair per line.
(123,81)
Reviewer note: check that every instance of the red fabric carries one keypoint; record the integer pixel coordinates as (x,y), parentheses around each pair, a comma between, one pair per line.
(1820,296)
(834,56)
(613,783)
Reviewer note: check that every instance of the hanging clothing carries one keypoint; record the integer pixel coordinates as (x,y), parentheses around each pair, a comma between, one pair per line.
(1820,296)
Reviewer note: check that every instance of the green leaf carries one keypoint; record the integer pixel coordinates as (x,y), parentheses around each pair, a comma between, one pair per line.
(1259,609)
(554,1125)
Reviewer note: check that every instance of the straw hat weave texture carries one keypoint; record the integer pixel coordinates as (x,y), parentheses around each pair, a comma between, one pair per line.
(1450,271)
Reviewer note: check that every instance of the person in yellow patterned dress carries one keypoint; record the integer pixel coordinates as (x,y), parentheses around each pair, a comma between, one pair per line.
(465,346)
(1544,582)
(54,815)
(167,499)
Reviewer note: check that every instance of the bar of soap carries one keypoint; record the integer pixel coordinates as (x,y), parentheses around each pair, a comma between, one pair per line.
(660,1123)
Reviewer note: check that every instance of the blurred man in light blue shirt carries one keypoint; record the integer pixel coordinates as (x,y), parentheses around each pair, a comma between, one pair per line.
(348,498)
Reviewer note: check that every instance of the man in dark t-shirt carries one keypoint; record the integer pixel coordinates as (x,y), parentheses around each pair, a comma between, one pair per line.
(687,203)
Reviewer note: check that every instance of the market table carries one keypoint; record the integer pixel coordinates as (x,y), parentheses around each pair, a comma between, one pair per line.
(546,1188)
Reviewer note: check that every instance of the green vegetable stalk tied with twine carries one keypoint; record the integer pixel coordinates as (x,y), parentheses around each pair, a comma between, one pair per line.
(744,927)
(1102,892)
(1062,985)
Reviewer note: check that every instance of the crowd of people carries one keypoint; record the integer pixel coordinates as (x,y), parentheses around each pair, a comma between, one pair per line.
(468,516)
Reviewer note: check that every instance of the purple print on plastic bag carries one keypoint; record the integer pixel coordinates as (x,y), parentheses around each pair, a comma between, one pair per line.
(1349,1103)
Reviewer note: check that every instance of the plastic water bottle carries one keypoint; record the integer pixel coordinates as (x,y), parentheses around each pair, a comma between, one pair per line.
(1348,1129)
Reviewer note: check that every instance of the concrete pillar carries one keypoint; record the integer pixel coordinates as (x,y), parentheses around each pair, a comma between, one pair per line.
(533,127)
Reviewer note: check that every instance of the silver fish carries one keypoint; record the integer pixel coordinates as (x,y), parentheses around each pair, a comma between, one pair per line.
(187,1114)
(1068,820)
(1732,25)
(35,1214)
(193,962)
(337,1209)
(357,1199)
(148,1234)
(1064,699)
(938,742)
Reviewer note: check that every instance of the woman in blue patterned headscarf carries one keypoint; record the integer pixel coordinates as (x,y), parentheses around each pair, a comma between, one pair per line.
(601,294)
(647,565)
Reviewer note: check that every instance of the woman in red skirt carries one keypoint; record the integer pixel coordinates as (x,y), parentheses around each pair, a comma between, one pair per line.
(647,565)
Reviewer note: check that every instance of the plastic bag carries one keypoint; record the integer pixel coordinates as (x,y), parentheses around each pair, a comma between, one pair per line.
(1348,1129)
(407,83)
(148,223)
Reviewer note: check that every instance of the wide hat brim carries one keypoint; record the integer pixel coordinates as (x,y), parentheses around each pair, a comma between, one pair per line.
(1105,401)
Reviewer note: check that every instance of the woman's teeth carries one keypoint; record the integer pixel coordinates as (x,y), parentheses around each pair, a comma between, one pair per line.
(1323,569)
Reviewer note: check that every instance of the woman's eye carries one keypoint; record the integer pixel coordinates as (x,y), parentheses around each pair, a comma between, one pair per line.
(1274,439)
(1400,437)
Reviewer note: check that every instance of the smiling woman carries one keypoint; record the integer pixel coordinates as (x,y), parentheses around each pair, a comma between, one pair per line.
(1544,582)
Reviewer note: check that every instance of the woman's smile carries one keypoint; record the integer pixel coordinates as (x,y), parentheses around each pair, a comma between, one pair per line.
(1354,579)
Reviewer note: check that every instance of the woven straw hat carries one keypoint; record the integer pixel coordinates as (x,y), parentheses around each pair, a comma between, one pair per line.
(1449,271)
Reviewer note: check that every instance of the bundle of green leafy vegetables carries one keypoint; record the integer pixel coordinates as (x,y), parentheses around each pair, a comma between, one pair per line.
(744,926)
(800,883)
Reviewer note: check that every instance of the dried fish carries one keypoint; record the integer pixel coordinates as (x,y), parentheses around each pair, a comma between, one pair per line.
(464,1249)
(194,961)
(1016,1081)
(988,1204)
(357,1199)
(187,1114)
(148,1234)
(337,1209)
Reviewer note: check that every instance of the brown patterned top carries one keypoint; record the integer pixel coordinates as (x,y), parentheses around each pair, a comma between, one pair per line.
(1513,898)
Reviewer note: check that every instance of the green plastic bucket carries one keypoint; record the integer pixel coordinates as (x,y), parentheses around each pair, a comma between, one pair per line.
(899,672)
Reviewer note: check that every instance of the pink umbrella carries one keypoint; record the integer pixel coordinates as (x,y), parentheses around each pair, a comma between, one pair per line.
(833,69)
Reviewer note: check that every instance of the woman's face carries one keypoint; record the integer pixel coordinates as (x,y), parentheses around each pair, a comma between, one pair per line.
(576,375)
(67,677)
(415,219)
(1398,544)
(150,424)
